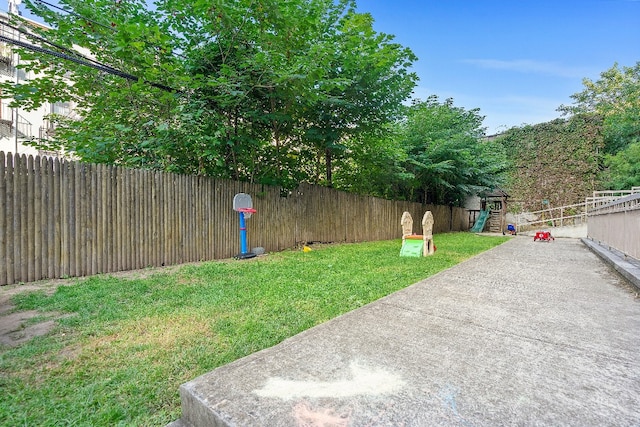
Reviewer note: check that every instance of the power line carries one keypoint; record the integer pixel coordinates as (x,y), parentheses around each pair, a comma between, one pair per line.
(63,48)
(95,65)
(79,16)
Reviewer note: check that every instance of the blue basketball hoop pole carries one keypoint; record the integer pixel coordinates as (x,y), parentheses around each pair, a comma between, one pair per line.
(244,254)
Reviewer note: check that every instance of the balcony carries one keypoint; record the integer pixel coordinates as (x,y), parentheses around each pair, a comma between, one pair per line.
(7,124)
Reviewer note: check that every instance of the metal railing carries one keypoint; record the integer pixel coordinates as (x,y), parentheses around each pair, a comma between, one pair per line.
(615,225)
(601,198)
(575,214)
(25,128)
(561,216)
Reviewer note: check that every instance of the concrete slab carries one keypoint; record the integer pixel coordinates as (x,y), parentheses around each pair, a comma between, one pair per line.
(627,266)
(529,333)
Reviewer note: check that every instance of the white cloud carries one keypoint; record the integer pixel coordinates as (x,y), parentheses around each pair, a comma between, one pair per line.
(530,66)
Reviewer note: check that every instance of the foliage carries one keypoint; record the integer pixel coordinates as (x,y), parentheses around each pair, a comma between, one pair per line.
(124,346)
(124,36)
(375,167)
(623,168)
(265,91)
(616,98)
(558,161)
(367,81)
(446,156)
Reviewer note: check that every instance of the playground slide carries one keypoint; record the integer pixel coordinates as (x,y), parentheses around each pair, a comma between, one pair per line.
(482,219)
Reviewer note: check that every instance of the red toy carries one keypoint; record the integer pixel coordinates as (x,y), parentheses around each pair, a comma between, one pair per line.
(543,236)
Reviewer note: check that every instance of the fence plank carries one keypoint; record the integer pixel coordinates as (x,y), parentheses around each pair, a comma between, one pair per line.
(3,217)
(21,229)
(112,209)
(70,225)
(96,217)
(55,218)
(10,230)
(44,219)
(36,224)
(81,221)
(119,218)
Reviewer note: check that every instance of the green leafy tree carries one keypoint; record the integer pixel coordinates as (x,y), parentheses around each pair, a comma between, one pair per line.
(616,98)
(623,168)
(375,166)
(365,82)
(115,63)
(260,90)
(446,156)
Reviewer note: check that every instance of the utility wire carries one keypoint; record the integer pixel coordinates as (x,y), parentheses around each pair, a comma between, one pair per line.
(63,48)
(77,15)
(97,66)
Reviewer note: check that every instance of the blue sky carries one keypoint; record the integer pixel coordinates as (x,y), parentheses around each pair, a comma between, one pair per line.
(515,60)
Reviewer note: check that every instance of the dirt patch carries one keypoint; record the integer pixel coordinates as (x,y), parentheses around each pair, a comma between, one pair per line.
(14,332)
(18,327)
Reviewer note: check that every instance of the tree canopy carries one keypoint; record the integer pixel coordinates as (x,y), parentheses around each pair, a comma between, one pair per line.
(269,91)
(616,98)
(436,154)
(446,154)
(262,90)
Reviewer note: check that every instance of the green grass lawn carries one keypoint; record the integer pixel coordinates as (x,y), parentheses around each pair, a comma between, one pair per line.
(124,346)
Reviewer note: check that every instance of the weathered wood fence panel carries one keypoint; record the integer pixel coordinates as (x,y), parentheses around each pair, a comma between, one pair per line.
(61,218)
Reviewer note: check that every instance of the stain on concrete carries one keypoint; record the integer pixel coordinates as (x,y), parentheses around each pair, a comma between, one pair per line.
(306,416)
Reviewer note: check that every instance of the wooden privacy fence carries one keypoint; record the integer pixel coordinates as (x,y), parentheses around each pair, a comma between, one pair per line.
(62,218)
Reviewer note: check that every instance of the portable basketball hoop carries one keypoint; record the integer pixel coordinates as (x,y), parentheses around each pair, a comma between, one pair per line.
(243,204)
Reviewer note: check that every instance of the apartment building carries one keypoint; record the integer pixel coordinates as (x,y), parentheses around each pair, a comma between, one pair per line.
(18,127)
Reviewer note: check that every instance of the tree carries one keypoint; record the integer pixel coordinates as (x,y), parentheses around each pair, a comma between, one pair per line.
(375,166)
(124,99)
(616,98)
(257,90)
(365,82)
(446,155)
(623,168)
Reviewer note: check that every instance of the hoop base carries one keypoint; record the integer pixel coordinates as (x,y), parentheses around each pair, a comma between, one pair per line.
(245,255)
